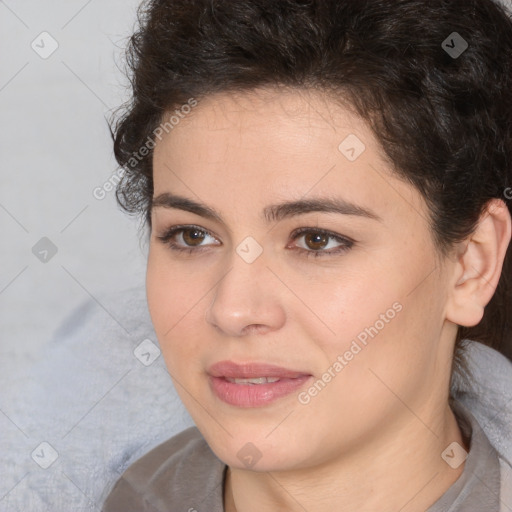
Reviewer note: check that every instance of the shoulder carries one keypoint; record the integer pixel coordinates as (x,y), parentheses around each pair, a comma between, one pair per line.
(182,472)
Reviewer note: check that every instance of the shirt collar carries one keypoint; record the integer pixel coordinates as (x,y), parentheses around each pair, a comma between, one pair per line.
(478,487)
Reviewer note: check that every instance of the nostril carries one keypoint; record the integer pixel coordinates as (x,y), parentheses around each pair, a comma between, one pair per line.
(254,329)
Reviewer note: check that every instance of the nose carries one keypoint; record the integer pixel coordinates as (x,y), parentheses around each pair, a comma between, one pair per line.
(246,300)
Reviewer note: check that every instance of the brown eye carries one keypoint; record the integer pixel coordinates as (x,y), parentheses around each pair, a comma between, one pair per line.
(193,236)
(188,239)
(316,241)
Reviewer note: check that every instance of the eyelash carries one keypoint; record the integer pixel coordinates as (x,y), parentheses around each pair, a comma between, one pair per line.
(167,236)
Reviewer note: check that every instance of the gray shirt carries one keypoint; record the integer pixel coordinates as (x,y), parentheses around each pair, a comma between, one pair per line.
(184,475)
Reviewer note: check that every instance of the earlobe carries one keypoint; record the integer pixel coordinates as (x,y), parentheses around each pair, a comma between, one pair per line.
(478,268)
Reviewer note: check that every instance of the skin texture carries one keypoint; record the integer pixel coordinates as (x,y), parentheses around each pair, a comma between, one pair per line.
(372,439)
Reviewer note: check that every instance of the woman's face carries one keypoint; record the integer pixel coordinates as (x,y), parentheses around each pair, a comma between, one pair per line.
(359,312)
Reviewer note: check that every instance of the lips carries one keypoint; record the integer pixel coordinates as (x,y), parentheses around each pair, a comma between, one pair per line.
(229,369)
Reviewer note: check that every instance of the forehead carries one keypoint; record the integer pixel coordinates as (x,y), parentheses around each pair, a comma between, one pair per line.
(280,144)
(272,130)
(273,115)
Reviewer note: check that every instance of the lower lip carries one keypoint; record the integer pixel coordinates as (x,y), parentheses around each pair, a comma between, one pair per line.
(254,395)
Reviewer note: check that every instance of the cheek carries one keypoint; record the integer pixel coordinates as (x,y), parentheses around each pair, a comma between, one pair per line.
(379,318)
(349,303)
(389,351)
(171,290)
(174,302)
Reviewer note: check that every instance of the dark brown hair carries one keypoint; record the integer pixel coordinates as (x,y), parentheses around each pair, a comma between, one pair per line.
(442,118)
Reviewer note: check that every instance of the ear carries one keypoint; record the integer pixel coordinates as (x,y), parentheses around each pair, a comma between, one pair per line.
(478,265)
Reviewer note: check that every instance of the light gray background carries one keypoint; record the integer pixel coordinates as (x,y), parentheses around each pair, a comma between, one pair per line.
(55,149)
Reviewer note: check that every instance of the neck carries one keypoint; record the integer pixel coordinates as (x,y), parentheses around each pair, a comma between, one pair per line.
(400,471)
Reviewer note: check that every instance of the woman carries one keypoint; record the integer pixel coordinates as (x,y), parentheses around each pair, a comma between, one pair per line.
(325,187)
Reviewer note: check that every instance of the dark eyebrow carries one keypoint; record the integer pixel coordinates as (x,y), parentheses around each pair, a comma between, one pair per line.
(272,213)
